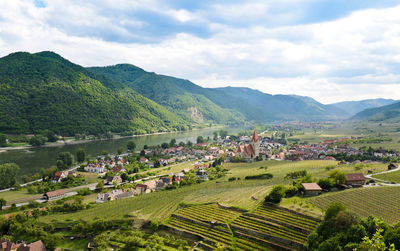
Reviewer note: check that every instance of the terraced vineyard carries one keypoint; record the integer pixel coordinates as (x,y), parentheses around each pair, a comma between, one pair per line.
(382,202)
(268,227)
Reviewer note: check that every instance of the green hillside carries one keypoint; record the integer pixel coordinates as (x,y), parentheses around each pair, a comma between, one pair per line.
(285,107)
(44,91)
(169,92)
(389,113)
(353,107)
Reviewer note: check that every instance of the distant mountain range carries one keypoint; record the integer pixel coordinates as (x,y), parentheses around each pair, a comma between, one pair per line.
(45,91)
(387,113)
(353,107)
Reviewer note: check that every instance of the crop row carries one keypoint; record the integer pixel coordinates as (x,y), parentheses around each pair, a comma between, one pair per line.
(381,202)
(282,214)
(274,230)
(286,219)
(207,213)
(215,235)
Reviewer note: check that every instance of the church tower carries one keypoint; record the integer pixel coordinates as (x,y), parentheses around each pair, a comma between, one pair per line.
(255,144)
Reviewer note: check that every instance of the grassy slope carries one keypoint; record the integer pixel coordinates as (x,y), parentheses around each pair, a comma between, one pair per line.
(160,205)
(392,176)
(378,201)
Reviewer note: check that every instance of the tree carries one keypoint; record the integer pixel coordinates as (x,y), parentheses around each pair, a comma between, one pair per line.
(200,139)
(333,210)
(164,145)
(8,175)
(276,195)
(172,142)
(3,140)
(3,202)
(131,145)
(376,243)
(339,177)
(223,133)
(189,143)
(37,140)
(64,160)
(142,153)
(120,150)
(215,135)
(80,155)
(100,186)
(51,136)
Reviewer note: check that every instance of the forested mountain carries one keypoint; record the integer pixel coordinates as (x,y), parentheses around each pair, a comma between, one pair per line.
(285,107)
(180,96)
(388,113)
(218,104)
(44,91)
(353,107)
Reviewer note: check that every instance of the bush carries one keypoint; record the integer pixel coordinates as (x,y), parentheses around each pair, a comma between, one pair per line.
(232,179)
(291,191)
(259,176)
(276,195)
(326,183)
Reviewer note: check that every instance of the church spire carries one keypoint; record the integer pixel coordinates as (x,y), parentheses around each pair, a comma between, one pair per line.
(255,136)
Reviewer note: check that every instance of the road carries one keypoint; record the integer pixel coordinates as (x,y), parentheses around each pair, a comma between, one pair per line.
(384,182)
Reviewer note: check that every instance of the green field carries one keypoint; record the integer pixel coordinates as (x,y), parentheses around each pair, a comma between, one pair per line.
(382,202)
(392,176)
(267,227)
(240,193)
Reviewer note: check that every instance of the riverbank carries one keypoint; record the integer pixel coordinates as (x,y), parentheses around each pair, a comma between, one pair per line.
(75,142)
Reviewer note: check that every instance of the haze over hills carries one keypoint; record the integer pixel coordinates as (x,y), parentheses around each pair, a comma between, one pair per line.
(387,113)
(45,91)
(353,107)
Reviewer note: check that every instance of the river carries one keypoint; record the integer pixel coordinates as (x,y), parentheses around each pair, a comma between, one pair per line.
(32,160)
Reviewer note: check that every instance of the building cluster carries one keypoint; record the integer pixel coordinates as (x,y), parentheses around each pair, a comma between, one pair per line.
(102,164)
(150,185)
(6,245)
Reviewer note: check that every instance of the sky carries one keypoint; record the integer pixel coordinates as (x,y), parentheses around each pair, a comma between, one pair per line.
(331,50)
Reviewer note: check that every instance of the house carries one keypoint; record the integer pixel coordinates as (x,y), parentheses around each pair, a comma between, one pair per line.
(117,169)
(186,170)
(114,195)
(143,160)
(311,189)
(53,195)
(94,169)
(58,176)
(6,245)
(355,179)
(201,174)
(163,162)
(392,166)
(110,180)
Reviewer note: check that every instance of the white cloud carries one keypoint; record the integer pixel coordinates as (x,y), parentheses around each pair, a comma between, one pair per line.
(354,57)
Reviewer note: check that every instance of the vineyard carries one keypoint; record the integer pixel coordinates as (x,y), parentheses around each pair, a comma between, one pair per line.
(391,176)
(382,202)
(268,227)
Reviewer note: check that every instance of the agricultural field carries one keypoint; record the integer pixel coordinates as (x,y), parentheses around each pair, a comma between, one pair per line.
(267,227)
(391,176)
(382,202)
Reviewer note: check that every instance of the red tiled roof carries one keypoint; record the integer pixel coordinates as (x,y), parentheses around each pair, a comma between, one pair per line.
(55,193)
(311,187)
(355,177)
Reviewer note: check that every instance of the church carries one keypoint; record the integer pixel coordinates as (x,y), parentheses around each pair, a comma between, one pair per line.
(250,151)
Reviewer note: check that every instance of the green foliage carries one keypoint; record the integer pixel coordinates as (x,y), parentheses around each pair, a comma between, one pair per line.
(64,160)
(3,140)
(131,145)
(259,176)
(8,175)
(3,202)
(326,183)
(200,139)
(333,210)
(37,140)
(276,195)
(80,155)
(296,174)
(44,91)
(51,136)
(338,177)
